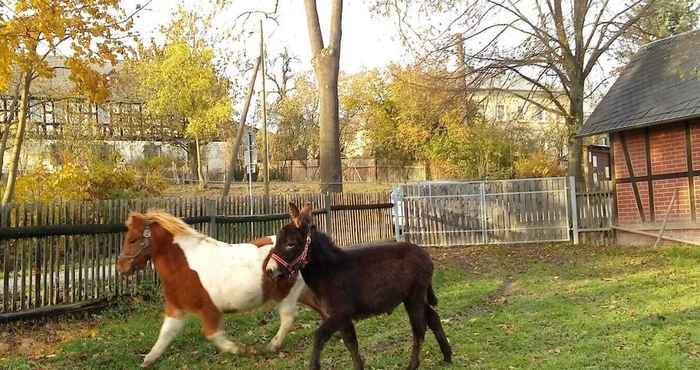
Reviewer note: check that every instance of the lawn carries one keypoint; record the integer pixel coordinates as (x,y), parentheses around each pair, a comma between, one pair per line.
(522,307)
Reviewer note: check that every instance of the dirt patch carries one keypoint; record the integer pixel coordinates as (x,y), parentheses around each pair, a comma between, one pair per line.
(41,339)
(510,260)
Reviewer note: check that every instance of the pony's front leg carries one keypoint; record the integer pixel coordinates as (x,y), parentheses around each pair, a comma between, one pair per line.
(171,327)
(288,312)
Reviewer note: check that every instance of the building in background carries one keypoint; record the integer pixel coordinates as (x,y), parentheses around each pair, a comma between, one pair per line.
(652,118)
(122,123)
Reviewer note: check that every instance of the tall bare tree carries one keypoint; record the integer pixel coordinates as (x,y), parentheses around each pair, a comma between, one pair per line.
(554,45)
(326,64)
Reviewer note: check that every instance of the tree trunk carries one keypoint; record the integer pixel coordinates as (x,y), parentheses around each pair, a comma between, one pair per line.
(200,172)
(574,123)
(9,117)
(192,158)
(330,171)
(3,146)
(326,63)
(9,193)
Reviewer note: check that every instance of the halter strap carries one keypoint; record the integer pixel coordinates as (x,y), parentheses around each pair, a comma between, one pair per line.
(145,244)
(299,262)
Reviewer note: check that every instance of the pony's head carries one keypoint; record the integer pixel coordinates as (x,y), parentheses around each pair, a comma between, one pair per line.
(292,244)
(137,248)
(139,241)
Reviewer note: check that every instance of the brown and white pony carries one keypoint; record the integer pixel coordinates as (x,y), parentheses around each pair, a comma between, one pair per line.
(206,277)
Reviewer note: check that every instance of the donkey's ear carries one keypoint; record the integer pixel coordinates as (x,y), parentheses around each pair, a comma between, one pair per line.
(134,219)
(305,213)
(295,214)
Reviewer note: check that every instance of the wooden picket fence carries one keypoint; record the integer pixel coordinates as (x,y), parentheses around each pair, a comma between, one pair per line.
(61,256)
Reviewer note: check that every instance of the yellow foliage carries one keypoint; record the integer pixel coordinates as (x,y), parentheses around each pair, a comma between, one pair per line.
(99,180)
(537,164)
(183,81)
(92,30)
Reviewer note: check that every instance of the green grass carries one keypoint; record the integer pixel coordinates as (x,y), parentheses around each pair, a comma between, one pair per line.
(568,308)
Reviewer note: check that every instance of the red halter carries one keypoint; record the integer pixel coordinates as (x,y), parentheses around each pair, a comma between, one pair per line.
(298,263)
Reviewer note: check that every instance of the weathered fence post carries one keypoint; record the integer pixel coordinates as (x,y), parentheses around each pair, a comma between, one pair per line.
(574,209)
(211,212)
(484,222)
(397,213)
(327,200)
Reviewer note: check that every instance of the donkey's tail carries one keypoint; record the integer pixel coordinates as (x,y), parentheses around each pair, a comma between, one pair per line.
(432,299)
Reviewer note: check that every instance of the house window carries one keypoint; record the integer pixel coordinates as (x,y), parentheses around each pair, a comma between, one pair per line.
(539,115)
(48,112)
(500,112)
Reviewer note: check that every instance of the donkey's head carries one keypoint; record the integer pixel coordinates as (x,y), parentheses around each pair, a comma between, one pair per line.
(137,248)
(290,253)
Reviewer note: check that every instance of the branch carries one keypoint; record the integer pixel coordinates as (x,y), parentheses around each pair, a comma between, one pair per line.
(271,15)
(313,27)
(336,25)
(600,49)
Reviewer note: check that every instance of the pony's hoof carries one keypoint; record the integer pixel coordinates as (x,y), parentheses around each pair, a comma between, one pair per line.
(248,351)
(147,362)
(272,348)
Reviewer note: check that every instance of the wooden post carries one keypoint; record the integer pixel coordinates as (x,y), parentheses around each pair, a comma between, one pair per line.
(266,159)
(328,200)
(668,211)
(241,130)
(397,200)
(574,209)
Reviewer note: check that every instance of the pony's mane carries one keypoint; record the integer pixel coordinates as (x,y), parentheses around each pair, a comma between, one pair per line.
(328,248)
(172,224)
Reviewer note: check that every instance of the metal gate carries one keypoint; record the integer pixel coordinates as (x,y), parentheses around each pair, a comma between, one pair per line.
(483,212)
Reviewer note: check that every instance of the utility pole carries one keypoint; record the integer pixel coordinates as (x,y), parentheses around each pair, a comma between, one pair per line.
(266,158)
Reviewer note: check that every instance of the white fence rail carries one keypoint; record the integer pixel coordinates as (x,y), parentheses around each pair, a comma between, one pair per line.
(496,212)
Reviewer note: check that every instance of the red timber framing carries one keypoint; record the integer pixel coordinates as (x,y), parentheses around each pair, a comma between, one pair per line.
(649,165)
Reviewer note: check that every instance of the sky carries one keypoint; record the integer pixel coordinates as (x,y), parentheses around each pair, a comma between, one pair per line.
(368,41)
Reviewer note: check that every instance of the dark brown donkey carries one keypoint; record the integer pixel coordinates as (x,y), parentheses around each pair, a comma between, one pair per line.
(358,282)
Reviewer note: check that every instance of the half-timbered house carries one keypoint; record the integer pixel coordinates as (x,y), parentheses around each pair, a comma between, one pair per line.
(652,117)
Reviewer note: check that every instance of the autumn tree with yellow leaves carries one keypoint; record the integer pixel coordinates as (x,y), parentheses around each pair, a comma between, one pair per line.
(90,33)
(182,80)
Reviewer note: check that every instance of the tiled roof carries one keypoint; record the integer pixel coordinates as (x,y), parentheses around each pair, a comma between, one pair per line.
(661,84)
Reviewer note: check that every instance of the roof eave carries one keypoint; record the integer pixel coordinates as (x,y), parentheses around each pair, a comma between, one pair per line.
(650,124)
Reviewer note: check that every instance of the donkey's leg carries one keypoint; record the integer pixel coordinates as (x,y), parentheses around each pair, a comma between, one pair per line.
(415,307)
(433,320)
(350,339)
(288,312)
(212,324)
(325,331)
(172,325)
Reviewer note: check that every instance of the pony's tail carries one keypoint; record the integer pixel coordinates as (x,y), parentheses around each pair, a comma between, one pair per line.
(432,299)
